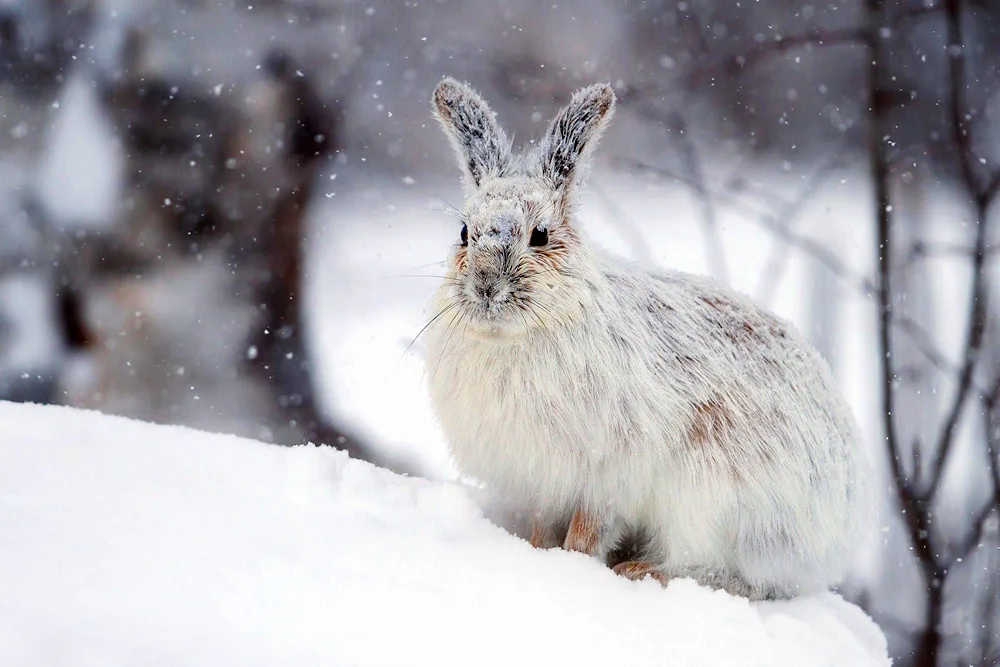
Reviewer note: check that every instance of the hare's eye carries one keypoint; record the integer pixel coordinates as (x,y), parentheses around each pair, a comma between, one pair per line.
(465,235)
(539,237)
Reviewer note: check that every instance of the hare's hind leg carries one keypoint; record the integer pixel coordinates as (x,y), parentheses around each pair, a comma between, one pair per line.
(732,584)
(640,569)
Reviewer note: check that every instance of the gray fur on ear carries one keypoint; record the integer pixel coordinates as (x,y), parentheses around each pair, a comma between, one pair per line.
(573,134)
(482,147)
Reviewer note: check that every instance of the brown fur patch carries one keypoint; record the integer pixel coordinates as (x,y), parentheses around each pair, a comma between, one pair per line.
(561,240)
(542,535)
(714,302)
(635,570)
(735,325)
(657,306)
(710,418)
(584,533)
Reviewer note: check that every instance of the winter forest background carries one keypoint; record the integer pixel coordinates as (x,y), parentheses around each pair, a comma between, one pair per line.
(231,215)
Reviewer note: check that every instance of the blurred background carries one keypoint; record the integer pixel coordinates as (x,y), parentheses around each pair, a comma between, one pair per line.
(231,215)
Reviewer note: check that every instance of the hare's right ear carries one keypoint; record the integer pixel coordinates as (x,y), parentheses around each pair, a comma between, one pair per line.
(572,136)
(482,147)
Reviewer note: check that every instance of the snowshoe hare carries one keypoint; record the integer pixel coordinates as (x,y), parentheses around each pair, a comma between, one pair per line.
(620,405)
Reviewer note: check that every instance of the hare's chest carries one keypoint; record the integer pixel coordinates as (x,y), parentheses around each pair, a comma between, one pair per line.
(513,414)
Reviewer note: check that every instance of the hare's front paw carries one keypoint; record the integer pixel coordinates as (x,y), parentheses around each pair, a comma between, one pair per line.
(584,533)
(543,533)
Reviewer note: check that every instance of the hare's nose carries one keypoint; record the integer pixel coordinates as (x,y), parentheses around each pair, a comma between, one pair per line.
(486,292)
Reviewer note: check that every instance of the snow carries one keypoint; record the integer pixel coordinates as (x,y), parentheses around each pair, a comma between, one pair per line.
(123,543)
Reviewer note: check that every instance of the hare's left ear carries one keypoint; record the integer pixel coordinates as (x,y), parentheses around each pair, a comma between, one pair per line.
(482,147)
(565,151)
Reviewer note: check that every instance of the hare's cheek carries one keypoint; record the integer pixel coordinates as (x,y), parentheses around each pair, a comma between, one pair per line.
(460,260)
(548,264)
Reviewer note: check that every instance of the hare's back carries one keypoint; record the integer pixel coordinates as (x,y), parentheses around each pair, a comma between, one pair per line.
(717,348)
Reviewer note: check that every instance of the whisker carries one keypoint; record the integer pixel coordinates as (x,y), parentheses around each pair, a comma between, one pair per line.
(445,202)
(450,209)
(450,279)
(451,332)
(531,311)
(534,303)
(524,319)
(434,319)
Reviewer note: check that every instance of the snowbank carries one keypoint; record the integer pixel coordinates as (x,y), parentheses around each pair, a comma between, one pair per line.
(123,543)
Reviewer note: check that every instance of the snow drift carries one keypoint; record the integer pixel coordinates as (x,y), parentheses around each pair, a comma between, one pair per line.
(123,543)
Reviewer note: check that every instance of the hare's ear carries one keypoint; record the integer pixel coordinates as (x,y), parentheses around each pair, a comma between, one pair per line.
(565,151)
(483,149)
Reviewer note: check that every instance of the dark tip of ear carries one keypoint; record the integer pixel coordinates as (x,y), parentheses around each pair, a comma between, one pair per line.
(447,93)
(599,95)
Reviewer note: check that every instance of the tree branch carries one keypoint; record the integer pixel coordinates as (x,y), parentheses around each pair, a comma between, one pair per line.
(778,259)
(769,221)
(991,415)
(976,323)
(775,224)
(914,512)
(766,49)
(716,250)
(989,193)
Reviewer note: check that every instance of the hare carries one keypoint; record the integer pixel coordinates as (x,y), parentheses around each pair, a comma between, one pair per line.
(618,404)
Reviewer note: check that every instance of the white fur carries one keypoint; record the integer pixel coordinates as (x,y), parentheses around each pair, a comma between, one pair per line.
(663,403)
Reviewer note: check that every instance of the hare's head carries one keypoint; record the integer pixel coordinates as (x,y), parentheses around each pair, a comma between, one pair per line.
(519,258)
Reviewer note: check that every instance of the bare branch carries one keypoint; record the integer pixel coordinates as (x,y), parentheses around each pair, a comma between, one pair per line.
(914,511)
(773,266)
(633,236)
(915,465)
(818,252)
(733,64)
(769,48)
(992,189)
(766,219)
(975,539)
(921,338)
(921,250)
(991,415)
(912,13)
(976,323)
(716,250)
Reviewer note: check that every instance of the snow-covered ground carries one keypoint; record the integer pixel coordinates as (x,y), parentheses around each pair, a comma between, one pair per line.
(123,543)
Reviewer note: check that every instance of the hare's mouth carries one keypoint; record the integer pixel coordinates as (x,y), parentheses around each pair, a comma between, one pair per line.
(496,312)
(494,309)
(488,299)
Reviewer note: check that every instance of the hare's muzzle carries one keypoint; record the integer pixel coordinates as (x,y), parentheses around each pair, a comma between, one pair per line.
(488,284)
